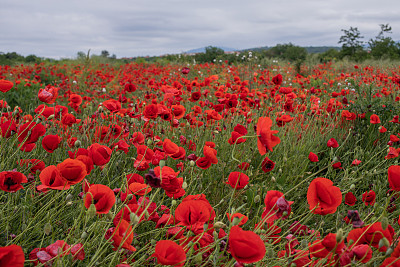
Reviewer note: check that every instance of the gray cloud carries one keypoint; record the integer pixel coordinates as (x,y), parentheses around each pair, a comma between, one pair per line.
(54,28)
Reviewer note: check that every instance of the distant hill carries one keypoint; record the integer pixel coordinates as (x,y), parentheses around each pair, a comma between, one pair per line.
(203,50)
(310,49)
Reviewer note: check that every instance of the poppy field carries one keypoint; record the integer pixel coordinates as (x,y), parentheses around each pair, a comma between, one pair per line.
(199,165)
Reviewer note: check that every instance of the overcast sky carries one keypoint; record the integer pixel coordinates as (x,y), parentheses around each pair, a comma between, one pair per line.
(53,28)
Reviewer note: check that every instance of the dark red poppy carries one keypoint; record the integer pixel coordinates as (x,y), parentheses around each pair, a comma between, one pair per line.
(332,143)
(101,196)
(10,181)
(245,246)
(369,198)
(203,163)
(371,235)
(322,248)
(277,80)
(51,142)
(5,85)
(169,253)
(350,199)
(68,119)
(323,197)
(276,206)
(267,165)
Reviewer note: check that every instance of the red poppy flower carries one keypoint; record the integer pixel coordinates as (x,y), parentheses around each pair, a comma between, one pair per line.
(371,235)
(369,198)
(332,143)
(112,105)
(72,170)
(374,119)
(51,142)
(313,157)
(178,111)
(277,80)
(8,128)
(237,180)
(267,165)
(322,248)
(322,197)
(78,252)
(245,246)
(169,180)
(12,255)
(210,154)
(101,196)
(5,85)
(266,139)
(192,212)
(350,199)
(139,189)
(170,147)
(275,206)
(68,119)
(10,181)
(203,163)
(356,162)
(394,177)
(150,111)
(48,94)
(52,178)
(169,253)
(122,235)
(100,154)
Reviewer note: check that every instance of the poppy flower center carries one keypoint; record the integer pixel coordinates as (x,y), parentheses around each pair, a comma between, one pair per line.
(9,182)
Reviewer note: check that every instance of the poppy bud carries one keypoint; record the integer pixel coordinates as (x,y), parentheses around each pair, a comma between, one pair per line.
(184,185)
(257,199)
(129,197)
(69,197)
(91,212)
(153,242)
(84,235)
(389,251)
(273,179)
(149,142)
(339,236)
(384,242)
(173,202)
(219,225)
(162,163)
(51,117)
(385,223)
(110,216)
(77,144)
(134,218)
(352,186)
(198,259)
(101,109)
(47,228)
(192,163)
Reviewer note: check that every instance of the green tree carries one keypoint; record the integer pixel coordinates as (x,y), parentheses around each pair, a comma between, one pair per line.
(105,53)
(352,46)
(384,46)
(211,53)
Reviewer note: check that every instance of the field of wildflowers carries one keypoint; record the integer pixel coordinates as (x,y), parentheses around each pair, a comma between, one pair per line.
(199,165)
